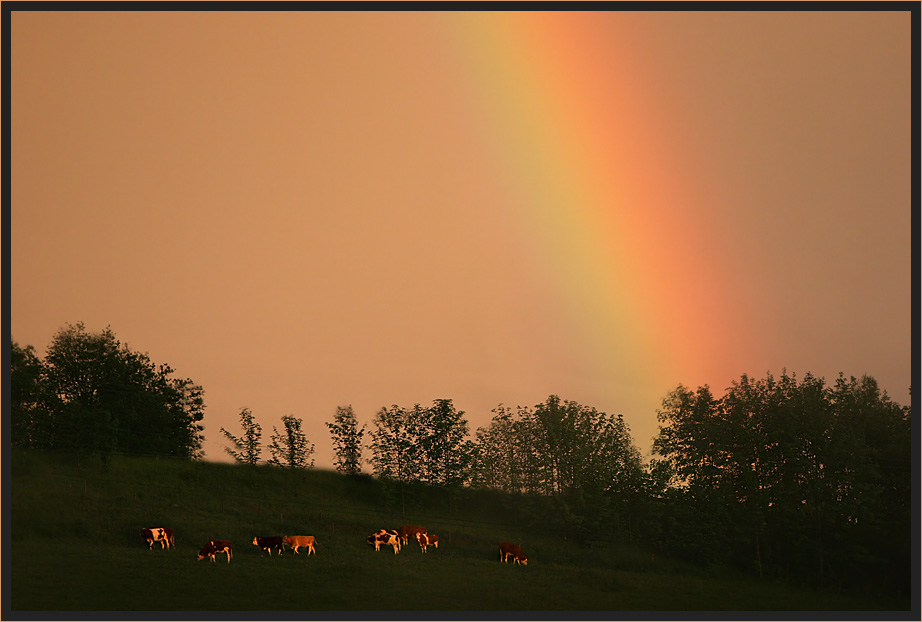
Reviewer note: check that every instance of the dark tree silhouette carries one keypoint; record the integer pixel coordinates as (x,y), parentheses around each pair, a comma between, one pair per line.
(246,448)
(795,479)
(94,395)
(290,448)
(422,444)
(347,440)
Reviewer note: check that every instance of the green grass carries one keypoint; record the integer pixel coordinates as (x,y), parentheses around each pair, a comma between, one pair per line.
(74,545)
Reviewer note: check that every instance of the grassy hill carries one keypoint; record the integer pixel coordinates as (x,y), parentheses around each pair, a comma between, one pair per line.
(74,545)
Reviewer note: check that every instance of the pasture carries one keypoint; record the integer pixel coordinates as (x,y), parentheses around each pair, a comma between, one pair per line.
(76,528)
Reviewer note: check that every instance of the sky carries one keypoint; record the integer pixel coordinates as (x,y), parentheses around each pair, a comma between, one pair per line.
(305,210)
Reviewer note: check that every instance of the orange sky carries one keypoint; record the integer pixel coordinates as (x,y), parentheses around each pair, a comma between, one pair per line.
(305,210)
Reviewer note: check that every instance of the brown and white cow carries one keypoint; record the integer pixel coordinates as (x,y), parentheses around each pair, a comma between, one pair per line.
(213,547)
(426,540)
(163,535)
(405,532)
(385,536)
(269,543)
(507,549)
(296,542)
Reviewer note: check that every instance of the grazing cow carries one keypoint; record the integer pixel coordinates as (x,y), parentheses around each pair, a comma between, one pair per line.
(385,536)
(269,543)
(296,542)
(426,540)
(518,556)
(163,535)
(212,547)
(405,532)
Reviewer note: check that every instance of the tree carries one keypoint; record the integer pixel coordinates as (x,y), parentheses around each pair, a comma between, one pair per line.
(574,457)
(422,444)
(444,453)
(558,447)
(187,408)
(499,463)
(26,400)
(393,444)
(347,440)
(96,396)
(291,448)
(246,448)
(793,478)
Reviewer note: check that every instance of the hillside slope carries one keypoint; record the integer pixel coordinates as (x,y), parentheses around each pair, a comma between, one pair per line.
(76,528)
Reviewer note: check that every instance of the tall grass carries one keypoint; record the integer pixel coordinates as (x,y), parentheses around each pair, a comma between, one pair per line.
(74,545)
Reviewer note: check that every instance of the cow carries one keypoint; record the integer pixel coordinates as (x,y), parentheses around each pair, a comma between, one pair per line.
(404,532)
(212,547)
(507,549)
(385,536)
(163,535)
(269,543)
(426,540)
(296,542)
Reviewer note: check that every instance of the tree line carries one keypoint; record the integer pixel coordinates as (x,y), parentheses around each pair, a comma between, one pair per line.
(788,479)
(780,477)
(92,395)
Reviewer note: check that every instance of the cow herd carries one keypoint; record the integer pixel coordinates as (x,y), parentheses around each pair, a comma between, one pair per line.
(401,537)
(395,538)
(279,543)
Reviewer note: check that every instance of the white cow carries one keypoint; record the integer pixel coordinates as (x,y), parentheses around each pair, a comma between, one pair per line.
(385,536)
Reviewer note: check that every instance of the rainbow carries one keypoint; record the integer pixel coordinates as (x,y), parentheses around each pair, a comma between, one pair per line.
(607,198)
